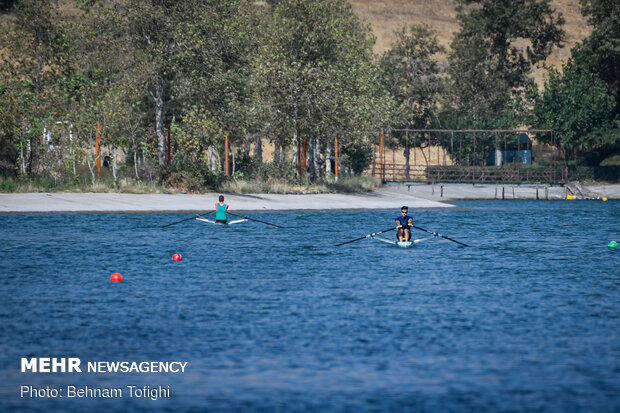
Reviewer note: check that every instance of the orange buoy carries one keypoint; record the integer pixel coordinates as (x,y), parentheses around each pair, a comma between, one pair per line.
(177,257)
(116,277)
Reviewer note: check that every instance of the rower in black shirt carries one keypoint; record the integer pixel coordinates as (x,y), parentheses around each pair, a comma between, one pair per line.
(403,223)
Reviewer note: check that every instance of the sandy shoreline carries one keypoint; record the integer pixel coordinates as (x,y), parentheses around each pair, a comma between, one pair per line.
(389,197)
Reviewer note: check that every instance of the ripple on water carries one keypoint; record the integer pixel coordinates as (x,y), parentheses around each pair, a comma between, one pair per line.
(524,319)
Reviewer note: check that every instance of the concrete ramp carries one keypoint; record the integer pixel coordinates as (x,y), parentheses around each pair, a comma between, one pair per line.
(113,202)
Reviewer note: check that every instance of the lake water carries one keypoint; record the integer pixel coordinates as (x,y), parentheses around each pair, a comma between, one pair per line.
(524,319)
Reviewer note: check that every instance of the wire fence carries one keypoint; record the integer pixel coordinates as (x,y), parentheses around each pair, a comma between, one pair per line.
(469,156)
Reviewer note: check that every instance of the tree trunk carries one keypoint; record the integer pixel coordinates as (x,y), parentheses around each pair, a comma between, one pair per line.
(567,156)
(114,165)
(311,165)
(294,150)
(248,144)
(407,161)
(258,149)
(91,168)
(232,152)
(159,122)
(213,159)
(276,152)
(314,161)
(32,158)
(22,164)
(328,161)
(135,164)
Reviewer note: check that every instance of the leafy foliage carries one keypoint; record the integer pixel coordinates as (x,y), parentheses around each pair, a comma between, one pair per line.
(412,76)
(489,74)
(315,77)
(578,105)
(284,71)
(603,45)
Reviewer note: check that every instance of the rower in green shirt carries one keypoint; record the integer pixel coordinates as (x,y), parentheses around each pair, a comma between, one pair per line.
(220,211)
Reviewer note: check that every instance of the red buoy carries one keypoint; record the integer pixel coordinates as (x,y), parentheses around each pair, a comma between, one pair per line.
(177,257)
(116,277)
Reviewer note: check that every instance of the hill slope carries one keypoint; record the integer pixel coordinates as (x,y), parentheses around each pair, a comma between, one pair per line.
(386,16)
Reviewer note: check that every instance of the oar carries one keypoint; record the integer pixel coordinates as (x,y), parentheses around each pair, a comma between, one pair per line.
(253,219)
(366,236)
(187,219)
(439,235)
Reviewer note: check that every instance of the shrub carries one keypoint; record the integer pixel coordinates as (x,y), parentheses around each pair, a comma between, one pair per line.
(8,185)
(355,183)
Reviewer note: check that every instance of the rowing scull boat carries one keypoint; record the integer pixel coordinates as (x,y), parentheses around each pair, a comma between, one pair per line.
(237,221)
(402,244)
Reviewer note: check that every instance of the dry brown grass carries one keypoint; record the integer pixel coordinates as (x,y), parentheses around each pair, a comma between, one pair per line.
(386,16)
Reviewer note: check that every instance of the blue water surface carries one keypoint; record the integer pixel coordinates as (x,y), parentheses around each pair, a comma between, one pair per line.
(524,319)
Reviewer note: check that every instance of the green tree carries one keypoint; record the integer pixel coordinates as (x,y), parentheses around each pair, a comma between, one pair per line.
(146,30)
(579,106)
(601,53)
(96,82)
(316,77)
(32,41)
(412,76)
(215,41)
(9,116)
(487,70)
(603,44)
(604,17)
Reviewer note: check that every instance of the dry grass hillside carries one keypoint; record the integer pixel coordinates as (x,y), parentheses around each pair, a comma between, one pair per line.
(386,16)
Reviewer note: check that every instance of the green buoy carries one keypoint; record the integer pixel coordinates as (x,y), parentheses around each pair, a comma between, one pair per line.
(612,244)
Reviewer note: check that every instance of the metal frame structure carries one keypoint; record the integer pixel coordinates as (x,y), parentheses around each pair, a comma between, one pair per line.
(466,159)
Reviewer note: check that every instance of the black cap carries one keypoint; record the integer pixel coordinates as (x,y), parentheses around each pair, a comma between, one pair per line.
(404,207)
